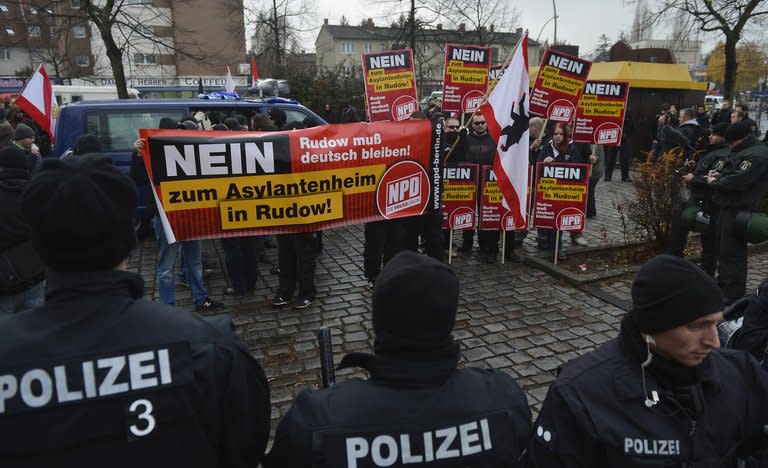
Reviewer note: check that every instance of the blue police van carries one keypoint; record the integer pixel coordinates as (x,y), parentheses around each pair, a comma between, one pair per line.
(116,123)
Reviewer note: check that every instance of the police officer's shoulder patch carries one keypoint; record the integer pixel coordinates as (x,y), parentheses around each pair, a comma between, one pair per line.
(719,164)
(745,166)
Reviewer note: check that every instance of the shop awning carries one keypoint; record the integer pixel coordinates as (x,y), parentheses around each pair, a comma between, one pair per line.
(641,75)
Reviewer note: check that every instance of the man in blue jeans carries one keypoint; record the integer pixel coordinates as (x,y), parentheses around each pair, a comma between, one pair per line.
(167,253)
(166,268)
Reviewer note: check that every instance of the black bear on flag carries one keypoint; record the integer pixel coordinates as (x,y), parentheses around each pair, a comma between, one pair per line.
(518,128)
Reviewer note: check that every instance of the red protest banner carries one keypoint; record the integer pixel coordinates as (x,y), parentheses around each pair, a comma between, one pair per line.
(465,78)
(390,85)
(561,196)
(228,184)
(600,114)
(558,86)
(459,197)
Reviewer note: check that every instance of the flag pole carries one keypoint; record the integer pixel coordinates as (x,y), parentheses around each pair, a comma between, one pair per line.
(485,96)
(450,244)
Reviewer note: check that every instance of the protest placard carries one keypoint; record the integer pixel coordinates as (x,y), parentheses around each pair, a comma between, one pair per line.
(493,215)
(390,85)
(465,78)
(561,196)
(215,184)
(459,196)
(494,75)
(600,114)
(558,86)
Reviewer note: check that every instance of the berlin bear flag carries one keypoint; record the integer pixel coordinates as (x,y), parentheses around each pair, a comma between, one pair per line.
(39,102)
(506,112)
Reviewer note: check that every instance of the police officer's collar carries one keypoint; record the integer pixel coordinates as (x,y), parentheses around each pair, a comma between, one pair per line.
(662,373)
(750,140)
(62,286)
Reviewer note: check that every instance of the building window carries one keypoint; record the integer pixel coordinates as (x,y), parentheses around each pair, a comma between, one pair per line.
(144,30)
(347,48)
(3,8)
(368,48)
(4,53)
(144,59)
(9,31)
(74,4)
(78,32)
(34,31)
(82,61)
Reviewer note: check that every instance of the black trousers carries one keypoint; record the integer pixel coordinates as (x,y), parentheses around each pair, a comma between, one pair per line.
(623,154)
(678,239)
(383,239)
(732,257)
(241,260)
(297,258)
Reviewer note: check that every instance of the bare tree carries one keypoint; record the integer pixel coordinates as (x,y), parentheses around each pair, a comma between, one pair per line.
(483,19)
(278,25)
(728,18)
(120,25)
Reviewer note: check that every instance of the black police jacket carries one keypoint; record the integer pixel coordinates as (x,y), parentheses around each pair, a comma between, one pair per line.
(713,160)
(595,414)
(98,377)
(475,418)
(744,178)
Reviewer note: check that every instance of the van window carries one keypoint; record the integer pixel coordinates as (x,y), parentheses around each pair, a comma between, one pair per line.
(118,129)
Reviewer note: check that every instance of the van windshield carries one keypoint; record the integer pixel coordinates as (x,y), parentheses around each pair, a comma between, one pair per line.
(118,129)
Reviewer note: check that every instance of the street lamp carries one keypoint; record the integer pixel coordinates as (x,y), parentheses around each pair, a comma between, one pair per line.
(553,17)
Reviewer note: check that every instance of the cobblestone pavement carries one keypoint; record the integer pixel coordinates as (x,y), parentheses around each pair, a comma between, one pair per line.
(511,317)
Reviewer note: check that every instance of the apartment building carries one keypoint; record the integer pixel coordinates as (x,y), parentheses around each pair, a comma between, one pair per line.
(168,45)
(343,46)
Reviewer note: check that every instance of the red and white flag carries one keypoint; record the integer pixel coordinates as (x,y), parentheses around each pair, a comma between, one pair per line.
(506,112)
(39,102)
(254,71)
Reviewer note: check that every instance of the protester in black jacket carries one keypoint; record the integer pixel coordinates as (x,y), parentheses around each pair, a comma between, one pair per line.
(417,407)
(99,376)
(661,393)
(26,293)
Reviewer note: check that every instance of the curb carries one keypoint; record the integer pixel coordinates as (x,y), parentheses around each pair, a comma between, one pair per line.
(545,264)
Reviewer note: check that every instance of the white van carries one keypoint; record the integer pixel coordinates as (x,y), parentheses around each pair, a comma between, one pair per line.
(713,102)
(66,94)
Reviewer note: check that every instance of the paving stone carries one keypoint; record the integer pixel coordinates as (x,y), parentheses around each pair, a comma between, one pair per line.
(510,317)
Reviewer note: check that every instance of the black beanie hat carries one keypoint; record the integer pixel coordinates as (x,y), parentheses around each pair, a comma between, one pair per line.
(737,131)
(168,123)
(719,129)
(13,157)
(81,211)
(669,291)
(415,298)
(23,131)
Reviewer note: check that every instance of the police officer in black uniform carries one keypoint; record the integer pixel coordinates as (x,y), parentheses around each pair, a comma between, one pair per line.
(701,197)
(736,191)
(661,393)
(417,408)
(99,376)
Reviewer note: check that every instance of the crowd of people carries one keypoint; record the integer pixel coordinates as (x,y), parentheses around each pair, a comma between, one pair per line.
(723,173)
(96,374)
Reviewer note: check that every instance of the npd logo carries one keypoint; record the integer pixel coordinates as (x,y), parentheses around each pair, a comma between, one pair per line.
(607,133)
(570,219)
(471,101)
(462,218)
(403,190)
(403,107)
(561,111)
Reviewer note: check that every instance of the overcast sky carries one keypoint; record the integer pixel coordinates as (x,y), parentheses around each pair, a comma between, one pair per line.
(579,22)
